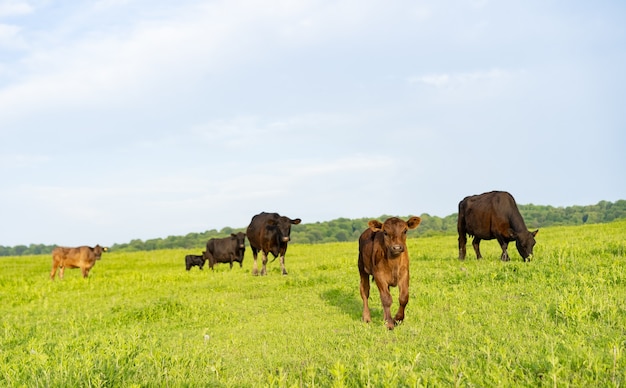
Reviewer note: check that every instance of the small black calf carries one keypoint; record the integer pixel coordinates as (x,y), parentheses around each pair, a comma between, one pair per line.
(191,260)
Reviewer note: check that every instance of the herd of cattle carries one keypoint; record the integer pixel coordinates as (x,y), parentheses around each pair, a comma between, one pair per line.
(383,254)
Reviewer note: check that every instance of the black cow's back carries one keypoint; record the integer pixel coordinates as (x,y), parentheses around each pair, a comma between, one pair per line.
(480,215)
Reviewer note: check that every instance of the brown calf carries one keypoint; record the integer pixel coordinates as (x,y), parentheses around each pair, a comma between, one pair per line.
(384,256)
(82,257)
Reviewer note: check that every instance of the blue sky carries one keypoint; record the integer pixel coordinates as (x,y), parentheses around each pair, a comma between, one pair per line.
(124,119)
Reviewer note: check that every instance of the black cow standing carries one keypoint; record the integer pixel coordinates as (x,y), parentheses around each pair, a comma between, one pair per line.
(269,233)
(494,215)
(226,250)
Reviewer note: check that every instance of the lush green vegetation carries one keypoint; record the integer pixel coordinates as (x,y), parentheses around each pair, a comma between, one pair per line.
(141,320)
(344,229)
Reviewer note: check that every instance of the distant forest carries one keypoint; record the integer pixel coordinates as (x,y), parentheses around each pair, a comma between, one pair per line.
(344,229)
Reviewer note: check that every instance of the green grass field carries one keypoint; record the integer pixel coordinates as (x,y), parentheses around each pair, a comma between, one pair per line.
(141,320)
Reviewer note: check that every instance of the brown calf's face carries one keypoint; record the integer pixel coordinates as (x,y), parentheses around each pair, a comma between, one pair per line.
(394,232)
(97,250)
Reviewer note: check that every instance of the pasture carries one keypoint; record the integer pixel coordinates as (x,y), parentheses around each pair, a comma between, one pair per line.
(141,320)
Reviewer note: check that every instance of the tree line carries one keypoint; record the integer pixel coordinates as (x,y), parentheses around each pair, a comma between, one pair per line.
(345,229)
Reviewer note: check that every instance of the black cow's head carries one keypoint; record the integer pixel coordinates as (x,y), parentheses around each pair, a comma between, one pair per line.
(525,242)
(394,232)
(282,226)
(241,239)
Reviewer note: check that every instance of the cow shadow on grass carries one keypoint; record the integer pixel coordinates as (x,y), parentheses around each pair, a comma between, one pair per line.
(346,301)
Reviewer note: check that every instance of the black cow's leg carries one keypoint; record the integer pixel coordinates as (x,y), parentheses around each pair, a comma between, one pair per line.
(476,245)
(264,257)
(462,243)
(255,268)
(505,254)
(282,264)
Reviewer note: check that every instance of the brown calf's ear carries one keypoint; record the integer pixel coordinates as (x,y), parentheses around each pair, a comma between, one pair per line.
(535,232)
(296,221)
(375,225)
(413,222)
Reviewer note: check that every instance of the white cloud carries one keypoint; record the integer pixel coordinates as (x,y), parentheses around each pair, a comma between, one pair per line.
(237,132)
(8,33)
(445,80)
(356,164)
(15,7)
(119,66)
(20,160)
(96,64)
(479,3)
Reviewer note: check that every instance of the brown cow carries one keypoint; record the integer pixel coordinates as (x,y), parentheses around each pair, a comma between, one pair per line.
(384,256)
(269,232)
(82,257)
(494,215)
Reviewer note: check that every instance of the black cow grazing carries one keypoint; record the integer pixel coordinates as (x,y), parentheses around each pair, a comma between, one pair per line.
(383,255)
(494,215)
(226,250)
(191,260)
(269,232)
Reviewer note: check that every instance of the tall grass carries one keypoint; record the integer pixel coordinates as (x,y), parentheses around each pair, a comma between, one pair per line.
(141,320)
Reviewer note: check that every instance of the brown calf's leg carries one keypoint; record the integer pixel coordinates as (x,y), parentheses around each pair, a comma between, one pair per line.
(385,299)
(403,298)
(365,294)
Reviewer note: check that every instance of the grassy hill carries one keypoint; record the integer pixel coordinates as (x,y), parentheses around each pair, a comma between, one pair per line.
(141,320)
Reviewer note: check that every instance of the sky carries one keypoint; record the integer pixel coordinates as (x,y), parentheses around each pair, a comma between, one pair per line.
(136,119)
